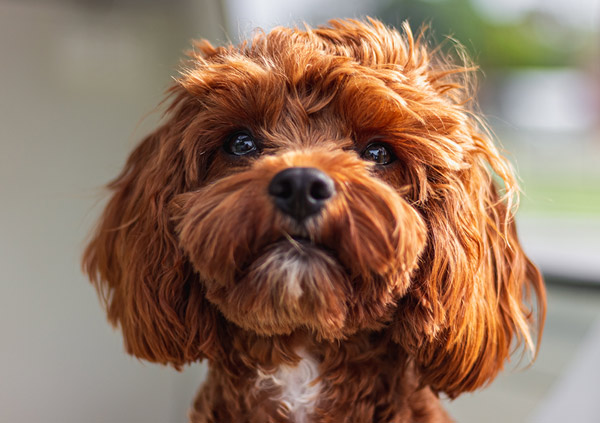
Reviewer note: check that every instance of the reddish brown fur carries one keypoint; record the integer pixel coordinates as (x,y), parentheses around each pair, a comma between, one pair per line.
(414,282)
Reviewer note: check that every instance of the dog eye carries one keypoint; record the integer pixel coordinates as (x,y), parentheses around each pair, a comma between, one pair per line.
(378,153)
(240,144)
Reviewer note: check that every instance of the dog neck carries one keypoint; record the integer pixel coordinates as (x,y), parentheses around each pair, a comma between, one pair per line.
(297,379)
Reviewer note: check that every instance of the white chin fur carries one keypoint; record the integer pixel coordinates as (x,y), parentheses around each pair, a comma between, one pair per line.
(294,267)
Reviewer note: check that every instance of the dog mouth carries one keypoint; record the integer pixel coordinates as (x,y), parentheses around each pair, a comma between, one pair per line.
(292,283)
(301,246)
(293,254)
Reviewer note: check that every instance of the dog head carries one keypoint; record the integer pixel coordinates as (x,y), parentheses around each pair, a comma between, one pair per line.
(329,180)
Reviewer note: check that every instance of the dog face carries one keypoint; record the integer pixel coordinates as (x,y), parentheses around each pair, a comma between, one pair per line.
(329,181)
(297,225)
(315,239)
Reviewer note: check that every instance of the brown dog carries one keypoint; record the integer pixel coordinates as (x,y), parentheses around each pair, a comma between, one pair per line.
(324,220)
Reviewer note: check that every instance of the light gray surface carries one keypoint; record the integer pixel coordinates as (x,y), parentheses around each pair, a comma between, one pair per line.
(576,395)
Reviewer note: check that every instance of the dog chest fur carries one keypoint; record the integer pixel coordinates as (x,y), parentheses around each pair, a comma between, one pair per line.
(297,389)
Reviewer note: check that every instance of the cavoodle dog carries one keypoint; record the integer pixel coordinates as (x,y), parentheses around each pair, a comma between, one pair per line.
(324,220)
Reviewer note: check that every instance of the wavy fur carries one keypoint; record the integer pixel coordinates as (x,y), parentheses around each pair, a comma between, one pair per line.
(411,282)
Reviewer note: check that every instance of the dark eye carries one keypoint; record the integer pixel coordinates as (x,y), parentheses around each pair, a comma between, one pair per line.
(378,153)
(240,144)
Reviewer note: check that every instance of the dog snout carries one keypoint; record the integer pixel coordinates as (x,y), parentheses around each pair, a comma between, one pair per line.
(301,191)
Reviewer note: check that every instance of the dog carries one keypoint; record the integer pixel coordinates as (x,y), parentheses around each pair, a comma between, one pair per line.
(324,219)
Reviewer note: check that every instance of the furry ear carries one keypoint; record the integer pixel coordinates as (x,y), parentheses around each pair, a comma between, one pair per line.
(146,283)
(472,295)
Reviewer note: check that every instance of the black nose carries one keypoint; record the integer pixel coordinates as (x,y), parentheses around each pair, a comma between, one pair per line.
(301,191)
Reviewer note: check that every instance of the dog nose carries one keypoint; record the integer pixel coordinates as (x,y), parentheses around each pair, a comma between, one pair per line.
(301,191)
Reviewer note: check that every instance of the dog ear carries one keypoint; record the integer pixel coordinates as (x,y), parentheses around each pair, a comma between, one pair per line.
(471,297)
(147,285)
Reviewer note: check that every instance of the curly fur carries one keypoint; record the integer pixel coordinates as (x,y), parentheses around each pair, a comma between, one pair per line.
(412,282)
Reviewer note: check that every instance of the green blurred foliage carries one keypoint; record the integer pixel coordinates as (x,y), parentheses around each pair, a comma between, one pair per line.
(564,194)
(536,40)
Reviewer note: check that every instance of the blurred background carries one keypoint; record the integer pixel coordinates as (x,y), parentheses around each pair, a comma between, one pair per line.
(79,82)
